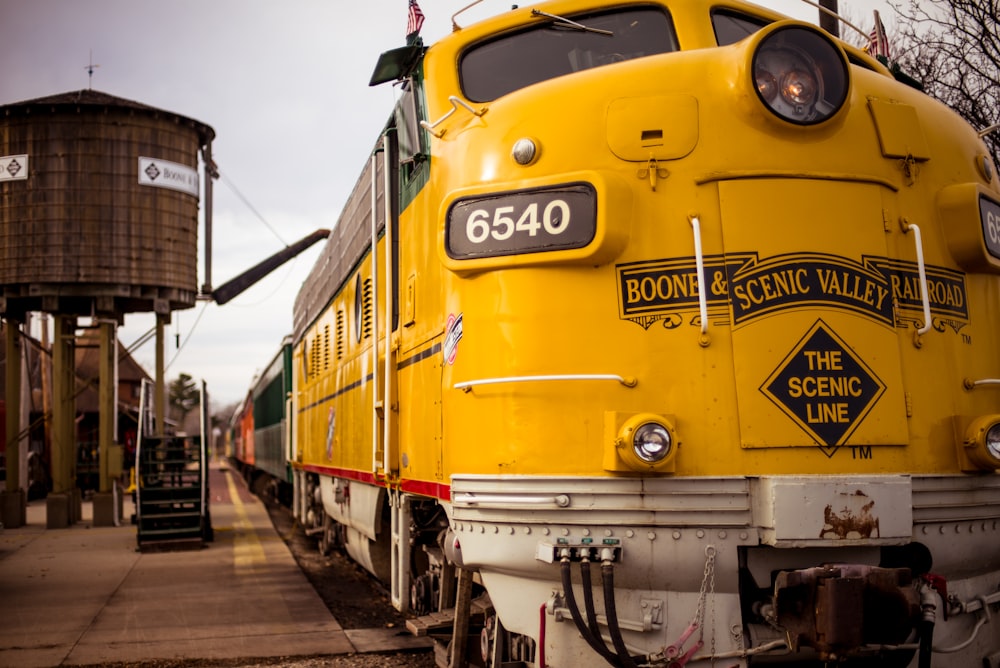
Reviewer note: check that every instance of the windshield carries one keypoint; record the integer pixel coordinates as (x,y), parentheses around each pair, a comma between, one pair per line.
(731,27)
(553,48)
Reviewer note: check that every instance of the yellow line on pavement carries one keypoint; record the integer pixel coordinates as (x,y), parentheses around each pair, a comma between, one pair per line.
(247,549)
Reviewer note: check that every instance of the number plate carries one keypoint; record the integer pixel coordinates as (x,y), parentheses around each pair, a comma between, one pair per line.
(989,216)
(529,221)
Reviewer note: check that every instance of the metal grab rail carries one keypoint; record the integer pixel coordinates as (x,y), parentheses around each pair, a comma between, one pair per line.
(973,384)
(699,259)
(467,385)
(922,269)
(473,499)
(455,103)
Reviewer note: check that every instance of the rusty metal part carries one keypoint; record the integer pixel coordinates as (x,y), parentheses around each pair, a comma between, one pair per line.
(836,609)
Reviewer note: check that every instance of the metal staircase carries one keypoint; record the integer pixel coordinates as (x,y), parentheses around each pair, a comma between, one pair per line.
(171,495)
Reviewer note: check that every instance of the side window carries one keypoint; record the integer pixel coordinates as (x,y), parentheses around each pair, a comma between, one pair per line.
(731,27)
(407,120)
(410,150)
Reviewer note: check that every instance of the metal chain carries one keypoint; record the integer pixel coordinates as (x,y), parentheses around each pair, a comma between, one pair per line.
(707,578)
(710,571)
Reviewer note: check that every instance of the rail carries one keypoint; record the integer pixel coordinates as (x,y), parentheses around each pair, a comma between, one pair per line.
(700,264)
(973,384)
(922,269)
(473,499)
(455,103)
(467,385)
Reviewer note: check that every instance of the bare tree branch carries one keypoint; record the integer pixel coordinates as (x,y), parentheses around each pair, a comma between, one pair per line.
(953,48)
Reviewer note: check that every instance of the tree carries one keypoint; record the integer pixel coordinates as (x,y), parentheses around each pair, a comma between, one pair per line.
(952,47)
(183,395)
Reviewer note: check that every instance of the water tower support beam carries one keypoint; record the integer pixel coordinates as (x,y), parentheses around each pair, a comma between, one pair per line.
(60,504)
(107,507)
(13,507)
(106,402)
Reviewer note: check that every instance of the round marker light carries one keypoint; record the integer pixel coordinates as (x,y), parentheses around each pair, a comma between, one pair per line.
(992,441)
(800,75)
(651,442)
(985,167)
(982,442)
(525,151)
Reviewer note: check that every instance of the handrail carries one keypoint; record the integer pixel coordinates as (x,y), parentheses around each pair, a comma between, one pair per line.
(454,25)
(700,264)
(467,385)
(473,499)
(838,17)
(455,103)
(387,414)
(203,457)
(922,269)
(973,384)
(376,464)
(985,131)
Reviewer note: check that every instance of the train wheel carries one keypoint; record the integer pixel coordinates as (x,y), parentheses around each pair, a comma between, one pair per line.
(327,537)
(500,647)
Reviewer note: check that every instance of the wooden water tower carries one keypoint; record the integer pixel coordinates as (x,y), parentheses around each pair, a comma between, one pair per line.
(99,201)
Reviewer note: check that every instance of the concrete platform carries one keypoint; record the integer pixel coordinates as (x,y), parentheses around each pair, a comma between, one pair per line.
(84,595)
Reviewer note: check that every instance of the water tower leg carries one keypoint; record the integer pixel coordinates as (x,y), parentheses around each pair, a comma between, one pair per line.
(106,500)
(12,500)
(61,504)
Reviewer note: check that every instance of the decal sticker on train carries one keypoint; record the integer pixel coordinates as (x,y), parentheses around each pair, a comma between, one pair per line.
(824,387)
(742,288)
(331,422)
(452,335)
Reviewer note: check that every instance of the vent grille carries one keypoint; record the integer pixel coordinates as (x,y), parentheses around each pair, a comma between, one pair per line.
(341,327)
(366,318)
(326,347)
(314,356)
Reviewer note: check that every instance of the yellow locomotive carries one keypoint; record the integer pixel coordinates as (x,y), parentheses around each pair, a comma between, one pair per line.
(684,290)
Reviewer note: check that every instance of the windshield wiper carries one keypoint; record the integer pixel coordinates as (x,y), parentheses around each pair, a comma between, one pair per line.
(566,23)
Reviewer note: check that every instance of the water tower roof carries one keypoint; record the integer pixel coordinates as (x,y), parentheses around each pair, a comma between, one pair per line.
(91,99)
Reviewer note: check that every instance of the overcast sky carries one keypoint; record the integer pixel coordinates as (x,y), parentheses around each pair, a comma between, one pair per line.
(285,86)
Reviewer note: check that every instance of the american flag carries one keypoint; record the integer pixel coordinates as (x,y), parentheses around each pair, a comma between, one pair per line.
(415,19)
(878,43)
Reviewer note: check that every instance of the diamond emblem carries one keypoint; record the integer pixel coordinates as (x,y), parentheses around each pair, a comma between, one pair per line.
(824,387)
(152,172)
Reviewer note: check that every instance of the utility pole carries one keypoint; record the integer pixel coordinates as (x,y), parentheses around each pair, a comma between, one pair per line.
(826,20)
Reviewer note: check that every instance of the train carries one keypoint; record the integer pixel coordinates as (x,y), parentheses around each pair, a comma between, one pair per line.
(257,436)
(665,332)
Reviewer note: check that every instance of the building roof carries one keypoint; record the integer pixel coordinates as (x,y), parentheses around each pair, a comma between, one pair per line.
(88,366)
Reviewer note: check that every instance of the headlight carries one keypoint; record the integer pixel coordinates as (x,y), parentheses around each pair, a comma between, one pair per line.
(992,442)
(800,75)
(651,442)
(982,442)
(643,442)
